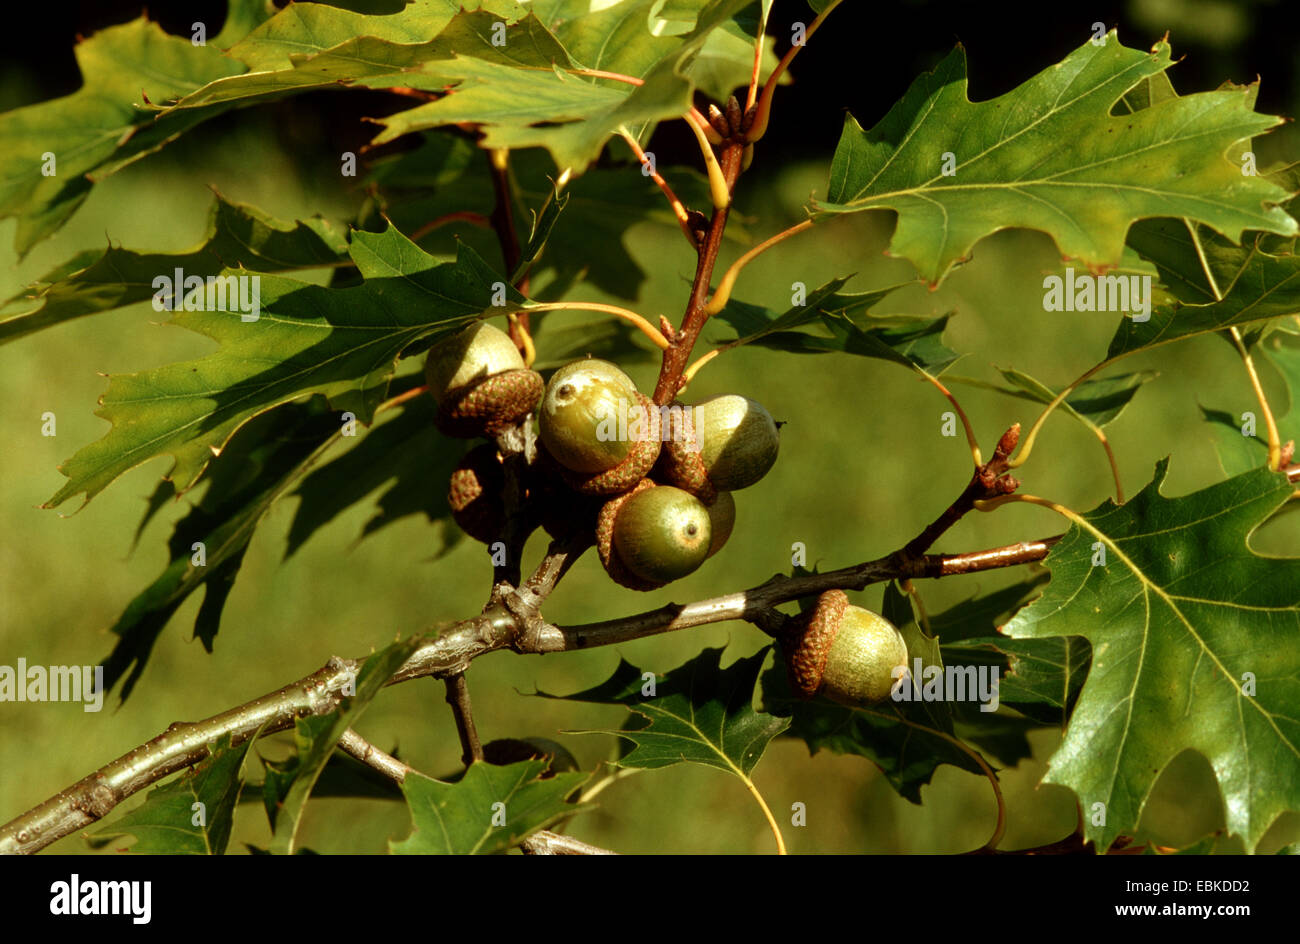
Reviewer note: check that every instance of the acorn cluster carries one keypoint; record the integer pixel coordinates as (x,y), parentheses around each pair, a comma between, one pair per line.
(652,483)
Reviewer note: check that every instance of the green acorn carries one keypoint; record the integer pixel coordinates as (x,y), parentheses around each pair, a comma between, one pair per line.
(480,382)
(844,652)
(598,427)
(722,518)
(653,535)
(738,440)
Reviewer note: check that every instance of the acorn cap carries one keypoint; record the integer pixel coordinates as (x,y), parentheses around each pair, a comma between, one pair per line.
(843,652)
(487,406)
(643,450)
(474,493)
(680,462)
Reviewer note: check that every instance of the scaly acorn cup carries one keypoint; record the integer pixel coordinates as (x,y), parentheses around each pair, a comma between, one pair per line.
(843,652)
(480,382)
(643,450)
(738,440)
(680,463)
(652,535)
(475,494)
(598,427)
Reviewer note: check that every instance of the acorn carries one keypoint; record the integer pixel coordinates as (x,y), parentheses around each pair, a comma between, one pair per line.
(475,494)
(480,382)
(653,535)
(736,443)
(598,427)
(722,518)
(844,652)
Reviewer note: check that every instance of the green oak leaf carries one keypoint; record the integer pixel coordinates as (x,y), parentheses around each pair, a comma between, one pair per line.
(1041,677)
(237,236)
(540,100)
(305,339)
(588,242)
(699,713)
(260,464)
(1282,350)
(1095,403)
(343,776)
(1001,735)
(1239,452)
(1173,158)
(1187,257)
(301,30)
(288,786)
(1195,645)
(1253,285)
(190,815)
(242,17)
(462,818)
(840,323)
(100,127)
(309,46)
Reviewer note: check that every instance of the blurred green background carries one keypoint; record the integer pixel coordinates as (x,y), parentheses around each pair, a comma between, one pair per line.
(863,467)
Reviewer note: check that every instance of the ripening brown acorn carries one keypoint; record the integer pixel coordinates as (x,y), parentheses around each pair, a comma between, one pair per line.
(844,652)
(480,382)
(475,494)
(598,427)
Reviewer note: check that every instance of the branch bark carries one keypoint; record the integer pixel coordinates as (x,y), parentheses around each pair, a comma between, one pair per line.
(545,842)
(471,748)
(183,745)
(385,763)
